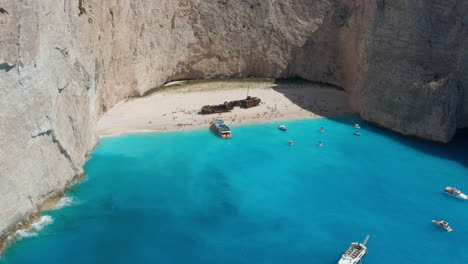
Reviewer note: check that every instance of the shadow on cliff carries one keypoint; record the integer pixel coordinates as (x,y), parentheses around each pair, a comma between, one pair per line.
(321,59)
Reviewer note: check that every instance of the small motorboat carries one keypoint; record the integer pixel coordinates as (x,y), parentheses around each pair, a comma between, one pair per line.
(357,126)
(284,128)
(442,224)
(356,133)
(455,193)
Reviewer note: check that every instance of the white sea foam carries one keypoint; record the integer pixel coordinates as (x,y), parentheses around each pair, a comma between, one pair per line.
(35,227)
(79,181)
(42,222)
(64,202)
(24,233)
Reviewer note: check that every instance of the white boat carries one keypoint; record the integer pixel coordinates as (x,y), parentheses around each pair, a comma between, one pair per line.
(222,129)
(357,126)
(355,253)
(284,128)
(442,224)
(455,193)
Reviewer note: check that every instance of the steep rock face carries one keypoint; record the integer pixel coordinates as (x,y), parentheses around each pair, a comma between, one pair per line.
(46,100)
(416,82)
(63,63)
(153,43)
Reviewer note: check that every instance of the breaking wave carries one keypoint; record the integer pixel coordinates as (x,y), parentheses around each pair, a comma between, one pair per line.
(79,181)
(24,233)
(64,202)
(45,220)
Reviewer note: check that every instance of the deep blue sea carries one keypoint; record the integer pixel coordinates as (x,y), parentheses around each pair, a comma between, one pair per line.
(191,197)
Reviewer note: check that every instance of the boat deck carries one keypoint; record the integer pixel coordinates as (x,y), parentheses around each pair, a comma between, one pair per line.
(223,128)
(354,251)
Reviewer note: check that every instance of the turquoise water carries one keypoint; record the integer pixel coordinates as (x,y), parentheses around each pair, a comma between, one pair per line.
(191,197)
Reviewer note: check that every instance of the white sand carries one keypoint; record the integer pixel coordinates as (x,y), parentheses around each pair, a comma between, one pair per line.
(177,107)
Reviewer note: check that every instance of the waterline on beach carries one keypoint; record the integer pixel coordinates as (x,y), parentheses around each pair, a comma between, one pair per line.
(131,131)
(178,109)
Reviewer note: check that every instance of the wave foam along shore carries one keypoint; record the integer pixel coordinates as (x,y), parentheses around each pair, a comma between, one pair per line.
(35,227)
(64,202)
(42,222)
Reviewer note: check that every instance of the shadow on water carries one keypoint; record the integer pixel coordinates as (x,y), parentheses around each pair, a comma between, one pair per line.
(456,150)
(322,104)
(339,21)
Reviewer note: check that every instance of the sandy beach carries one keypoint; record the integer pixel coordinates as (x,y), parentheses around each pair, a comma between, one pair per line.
(176,106)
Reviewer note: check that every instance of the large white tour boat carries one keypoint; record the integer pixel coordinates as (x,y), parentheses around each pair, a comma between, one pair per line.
(355,253)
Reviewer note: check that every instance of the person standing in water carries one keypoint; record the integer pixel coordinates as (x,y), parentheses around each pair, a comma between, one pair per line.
(322,129)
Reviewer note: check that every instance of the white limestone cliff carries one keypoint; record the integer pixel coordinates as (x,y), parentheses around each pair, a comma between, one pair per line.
(65,62)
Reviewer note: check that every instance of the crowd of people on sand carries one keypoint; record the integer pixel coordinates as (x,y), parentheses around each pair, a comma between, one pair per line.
(322,129)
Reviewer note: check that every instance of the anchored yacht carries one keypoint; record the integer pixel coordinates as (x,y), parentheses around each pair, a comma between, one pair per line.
(355,253)
(443,225)
(456,193)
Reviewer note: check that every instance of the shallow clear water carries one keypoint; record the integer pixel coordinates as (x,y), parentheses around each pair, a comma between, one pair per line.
(191,197)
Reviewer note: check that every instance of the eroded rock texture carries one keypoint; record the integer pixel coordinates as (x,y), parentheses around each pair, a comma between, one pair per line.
(65,62)
(417,80)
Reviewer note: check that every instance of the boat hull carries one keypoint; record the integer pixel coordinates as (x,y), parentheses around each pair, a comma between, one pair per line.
(224,131)
(460,196)
(446,228)
(354,254)
(225,135)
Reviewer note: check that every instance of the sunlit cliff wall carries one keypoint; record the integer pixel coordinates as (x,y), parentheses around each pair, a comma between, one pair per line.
(65,62)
